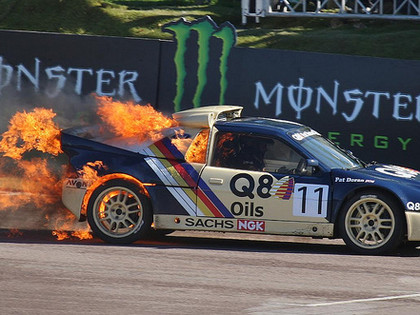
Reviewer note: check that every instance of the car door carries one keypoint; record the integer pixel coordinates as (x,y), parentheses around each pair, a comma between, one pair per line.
(255,177)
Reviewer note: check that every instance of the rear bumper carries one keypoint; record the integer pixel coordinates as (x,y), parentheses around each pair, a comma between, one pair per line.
(74,190)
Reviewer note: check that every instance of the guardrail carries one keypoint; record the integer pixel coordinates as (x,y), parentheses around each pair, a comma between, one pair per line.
(358,9)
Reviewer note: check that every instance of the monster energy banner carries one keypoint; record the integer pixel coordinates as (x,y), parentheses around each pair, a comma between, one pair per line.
(370,106)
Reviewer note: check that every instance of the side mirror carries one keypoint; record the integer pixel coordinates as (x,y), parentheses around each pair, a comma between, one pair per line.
(312,163)
(307,167)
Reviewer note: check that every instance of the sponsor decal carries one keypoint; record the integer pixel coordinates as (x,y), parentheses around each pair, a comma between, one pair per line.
(251,225)
(299,136)
(206,29)
(247,209)
(244,185)
(353,180)
(283,188)
(76,183)
(397,171)
(413,206)
(209,223)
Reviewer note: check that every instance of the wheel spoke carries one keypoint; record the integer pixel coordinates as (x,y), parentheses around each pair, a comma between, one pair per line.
(381,237)
(131,221)
(117,227)
(361,211)
(387,226)
(360,234)
(355,224)
(365,237)
(124,198)
(104,219)
(136,210)
(381,211)
(129,205)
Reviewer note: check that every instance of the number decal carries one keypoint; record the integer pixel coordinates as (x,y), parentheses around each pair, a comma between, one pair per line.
(310,200)
(304,190)
(319,190)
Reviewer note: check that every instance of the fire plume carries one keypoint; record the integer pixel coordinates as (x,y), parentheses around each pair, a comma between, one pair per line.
(133,120)
(198,149)
(89,172)
(31,182)
(31,131)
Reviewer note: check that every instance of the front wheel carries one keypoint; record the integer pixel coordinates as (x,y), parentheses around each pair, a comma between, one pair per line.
(118,213)
(371,223)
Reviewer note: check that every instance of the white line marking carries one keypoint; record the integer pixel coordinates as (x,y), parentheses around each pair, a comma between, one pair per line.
(385,298)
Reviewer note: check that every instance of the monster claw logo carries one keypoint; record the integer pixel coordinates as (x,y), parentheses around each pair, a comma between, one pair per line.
(205,28)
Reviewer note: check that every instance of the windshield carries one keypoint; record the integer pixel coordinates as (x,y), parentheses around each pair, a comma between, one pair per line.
(324,150)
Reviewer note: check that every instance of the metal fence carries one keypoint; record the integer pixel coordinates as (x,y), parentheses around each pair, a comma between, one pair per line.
(359,9)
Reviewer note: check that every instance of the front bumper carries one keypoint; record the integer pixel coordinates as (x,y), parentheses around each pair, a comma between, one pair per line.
(413,225)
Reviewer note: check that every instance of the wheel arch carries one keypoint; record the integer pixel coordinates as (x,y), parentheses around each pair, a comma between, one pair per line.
(114,176)
(368,190)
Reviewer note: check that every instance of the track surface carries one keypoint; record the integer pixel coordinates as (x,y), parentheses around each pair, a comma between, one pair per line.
(202,273)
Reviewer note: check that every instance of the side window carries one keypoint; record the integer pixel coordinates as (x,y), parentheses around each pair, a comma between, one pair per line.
(256,153)
(281,158)
(198,149)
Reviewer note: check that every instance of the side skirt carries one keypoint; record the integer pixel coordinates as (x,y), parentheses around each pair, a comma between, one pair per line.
(177,222)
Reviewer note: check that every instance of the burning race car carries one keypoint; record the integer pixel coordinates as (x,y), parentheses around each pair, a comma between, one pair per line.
(218,171)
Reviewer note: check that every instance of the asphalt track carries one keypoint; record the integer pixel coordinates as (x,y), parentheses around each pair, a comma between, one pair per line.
(202,273)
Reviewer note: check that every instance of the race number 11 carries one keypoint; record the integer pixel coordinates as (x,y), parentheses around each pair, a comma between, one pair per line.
(310,200)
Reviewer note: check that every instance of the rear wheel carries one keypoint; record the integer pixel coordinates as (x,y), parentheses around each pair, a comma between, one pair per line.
(118,213)
(371,223)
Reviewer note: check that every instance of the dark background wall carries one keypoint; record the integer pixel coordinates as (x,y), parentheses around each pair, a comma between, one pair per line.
(369,105)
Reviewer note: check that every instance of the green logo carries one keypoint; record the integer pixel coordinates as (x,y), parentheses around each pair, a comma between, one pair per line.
(206,29)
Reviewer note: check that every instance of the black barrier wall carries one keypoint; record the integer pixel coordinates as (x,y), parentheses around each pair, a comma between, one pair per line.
(368,105)
(59,71)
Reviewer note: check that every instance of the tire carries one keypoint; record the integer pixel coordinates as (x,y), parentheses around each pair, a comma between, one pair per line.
(371,223)
(118,213)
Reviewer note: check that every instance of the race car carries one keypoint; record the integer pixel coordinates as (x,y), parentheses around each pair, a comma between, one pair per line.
(239,174)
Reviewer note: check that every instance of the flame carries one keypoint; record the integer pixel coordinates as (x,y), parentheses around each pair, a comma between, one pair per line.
(28,180)
(14,233)
(33,182)
(89,172)
(60,235)
(181,142)
(133,120)
(198,149)
(65,228)
(29,131)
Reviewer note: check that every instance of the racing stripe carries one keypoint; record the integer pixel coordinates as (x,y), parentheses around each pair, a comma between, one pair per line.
(180,194)
(183,174)
(167,144)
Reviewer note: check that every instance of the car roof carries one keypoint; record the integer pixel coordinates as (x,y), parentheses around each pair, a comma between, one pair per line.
(259,124)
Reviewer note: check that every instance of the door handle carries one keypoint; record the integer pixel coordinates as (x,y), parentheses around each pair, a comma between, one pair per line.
(216,181)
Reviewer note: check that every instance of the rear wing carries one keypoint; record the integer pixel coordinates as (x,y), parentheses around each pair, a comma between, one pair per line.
(205,117)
